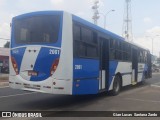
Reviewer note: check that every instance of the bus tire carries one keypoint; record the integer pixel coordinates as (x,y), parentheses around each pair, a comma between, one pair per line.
(116,85)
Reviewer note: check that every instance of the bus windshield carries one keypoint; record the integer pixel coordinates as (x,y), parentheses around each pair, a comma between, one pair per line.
(37,29)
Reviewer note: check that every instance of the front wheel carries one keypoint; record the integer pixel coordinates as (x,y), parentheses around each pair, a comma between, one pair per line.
(116,85)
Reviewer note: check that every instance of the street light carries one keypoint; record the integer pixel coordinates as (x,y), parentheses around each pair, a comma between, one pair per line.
(152,41)
(105,16)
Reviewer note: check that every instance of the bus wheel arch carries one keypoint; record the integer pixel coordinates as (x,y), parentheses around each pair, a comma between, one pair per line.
(117,84)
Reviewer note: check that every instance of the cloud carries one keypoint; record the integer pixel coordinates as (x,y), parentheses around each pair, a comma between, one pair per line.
(147,20)
(146,40)
(5,29)
(154,31)
(57,2)
(80,13)
(101,3)
(2,2)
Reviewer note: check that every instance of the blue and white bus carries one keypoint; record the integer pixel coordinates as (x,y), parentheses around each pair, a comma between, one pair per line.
(59,53)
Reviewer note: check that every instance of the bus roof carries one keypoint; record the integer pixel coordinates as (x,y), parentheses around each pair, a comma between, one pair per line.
(38,13)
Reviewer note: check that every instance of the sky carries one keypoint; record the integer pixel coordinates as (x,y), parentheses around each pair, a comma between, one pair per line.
(145,16)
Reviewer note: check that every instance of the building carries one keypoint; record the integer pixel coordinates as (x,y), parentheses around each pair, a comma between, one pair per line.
(4,60)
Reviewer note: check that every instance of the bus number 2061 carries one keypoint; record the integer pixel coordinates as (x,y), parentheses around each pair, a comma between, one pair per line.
(54,52)
(78,67)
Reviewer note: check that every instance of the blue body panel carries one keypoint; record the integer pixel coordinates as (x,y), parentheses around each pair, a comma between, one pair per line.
(90,68)
(112,70)
(43,64)
(86,77)
(18,55)
(88,86)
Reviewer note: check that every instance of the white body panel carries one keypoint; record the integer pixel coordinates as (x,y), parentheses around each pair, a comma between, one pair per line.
(140,71)
(28,60)
(64,73)
(123,68)
(103,79)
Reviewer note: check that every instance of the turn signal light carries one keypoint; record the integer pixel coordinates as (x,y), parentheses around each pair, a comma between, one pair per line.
(14,64)
(54,66)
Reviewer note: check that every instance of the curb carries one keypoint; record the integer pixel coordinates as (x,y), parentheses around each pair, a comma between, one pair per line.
(2,84)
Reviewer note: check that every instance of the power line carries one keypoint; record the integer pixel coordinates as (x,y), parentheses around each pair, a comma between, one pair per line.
(5,39)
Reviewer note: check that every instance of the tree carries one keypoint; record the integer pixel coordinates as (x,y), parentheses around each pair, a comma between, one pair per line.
(7,45)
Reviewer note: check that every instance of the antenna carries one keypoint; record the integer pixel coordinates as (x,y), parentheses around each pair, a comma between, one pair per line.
(96,13)
(127,22)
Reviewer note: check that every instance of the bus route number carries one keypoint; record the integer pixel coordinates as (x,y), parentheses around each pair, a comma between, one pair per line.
(54,52)
(78,67)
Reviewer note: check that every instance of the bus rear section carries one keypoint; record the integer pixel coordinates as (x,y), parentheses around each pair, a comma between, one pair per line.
(38,53)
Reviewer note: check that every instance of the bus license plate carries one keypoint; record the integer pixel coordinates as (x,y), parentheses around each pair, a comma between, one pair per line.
(32,73)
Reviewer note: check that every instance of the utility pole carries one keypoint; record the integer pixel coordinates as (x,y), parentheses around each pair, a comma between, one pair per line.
(127,23)
(96,13)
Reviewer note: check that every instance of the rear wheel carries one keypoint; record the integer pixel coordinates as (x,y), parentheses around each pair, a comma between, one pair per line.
(116,85)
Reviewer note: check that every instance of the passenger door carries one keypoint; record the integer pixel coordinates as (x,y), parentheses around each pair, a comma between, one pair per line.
(104,63)
(134,65)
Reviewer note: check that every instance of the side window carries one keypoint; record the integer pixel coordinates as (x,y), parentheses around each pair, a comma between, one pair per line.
(95,37)
(92,51)
(142,57)
(86,35)
(76,32)
(112,53)
(126,52)
(85,42)
(117,45)
(112,43)
(120,50)
(145,56)
(120,46)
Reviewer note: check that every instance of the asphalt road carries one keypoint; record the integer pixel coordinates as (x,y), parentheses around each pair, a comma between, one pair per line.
(138,98)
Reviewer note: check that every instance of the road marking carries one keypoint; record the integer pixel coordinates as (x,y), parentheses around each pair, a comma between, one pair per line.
(4,87)
(157,83)
(17,95)
(154,85)
(153,101)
